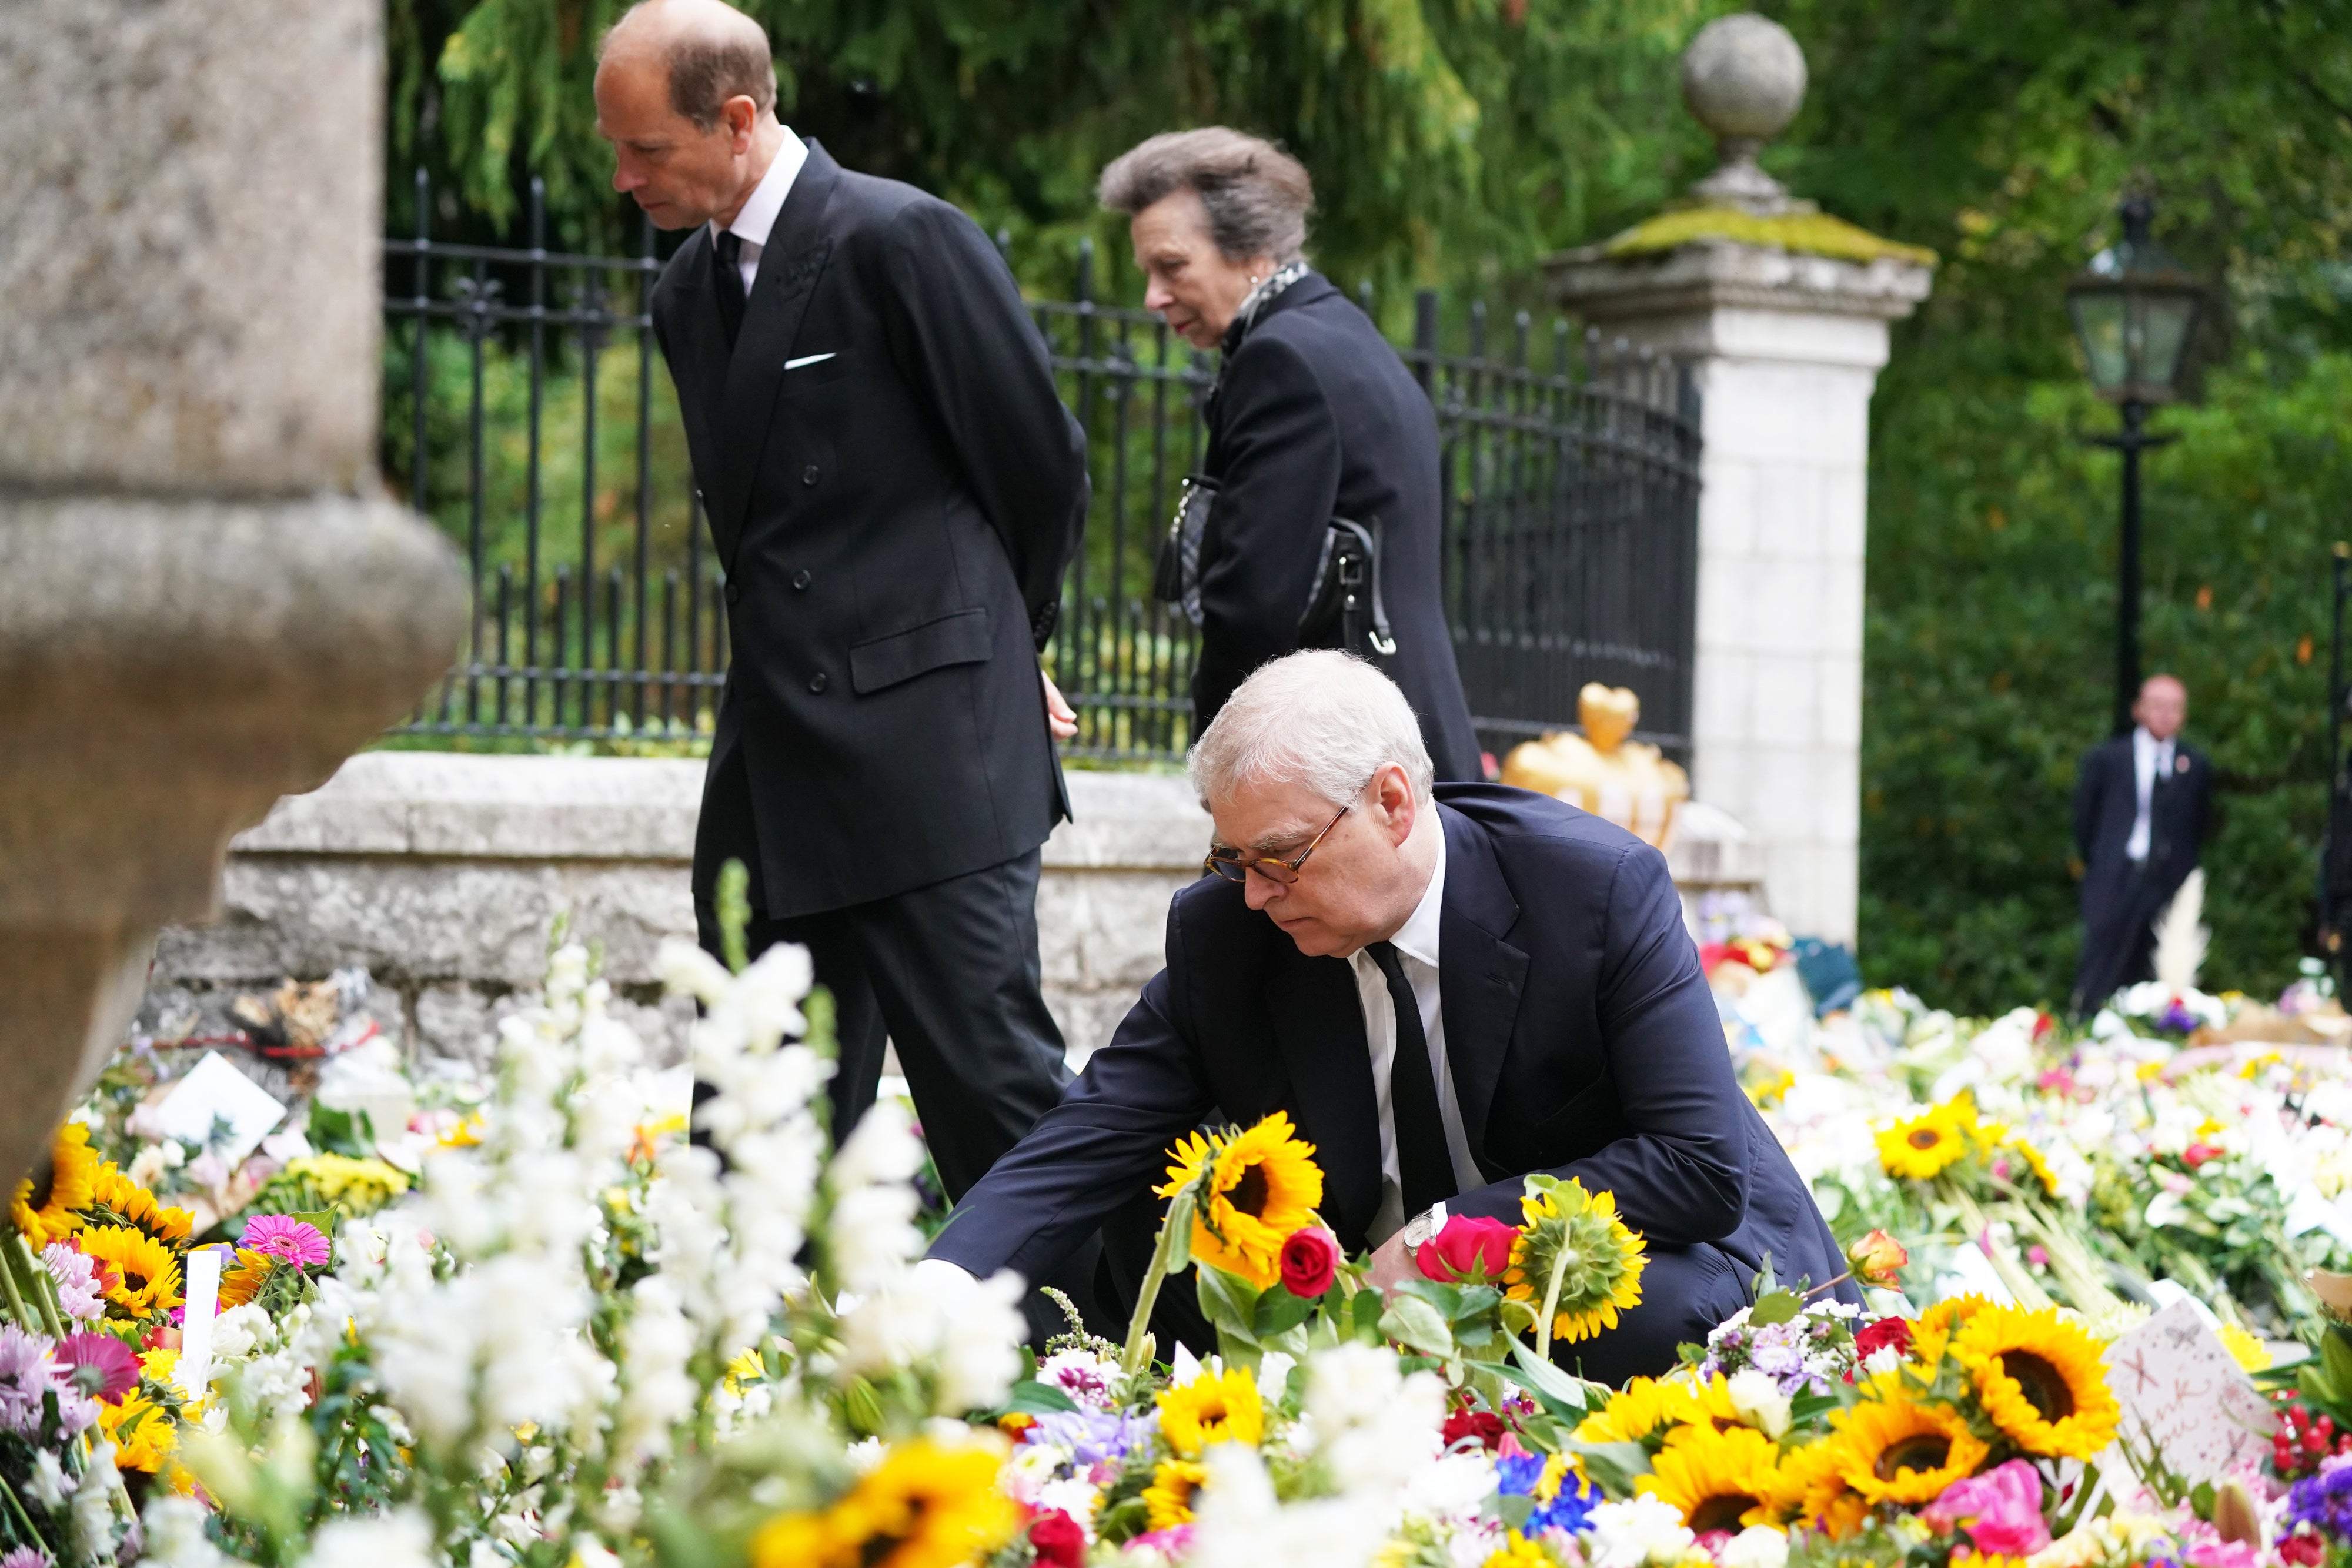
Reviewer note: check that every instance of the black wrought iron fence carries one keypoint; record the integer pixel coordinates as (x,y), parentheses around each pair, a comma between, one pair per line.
(525,416)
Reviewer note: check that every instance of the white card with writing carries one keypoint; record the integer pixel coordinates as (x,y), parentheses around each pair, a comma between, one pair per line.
(214,1090)
(2181,1390)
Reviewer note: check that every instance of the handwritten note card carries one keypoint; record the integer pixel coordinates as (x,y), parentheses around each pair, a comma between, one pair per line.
(2180,1389)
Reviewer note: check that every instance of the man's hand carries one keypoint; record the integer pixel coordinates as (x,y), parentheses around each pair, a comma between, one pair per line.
(1393,1264)
(1061,718)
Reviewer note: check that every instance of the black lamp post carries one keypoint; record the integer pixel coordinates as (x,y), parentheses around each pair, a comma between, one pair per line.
(2135,308)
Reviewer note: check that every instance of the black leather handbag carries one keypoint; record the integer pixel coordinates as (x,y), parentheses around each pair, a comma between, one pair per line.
(1343,609)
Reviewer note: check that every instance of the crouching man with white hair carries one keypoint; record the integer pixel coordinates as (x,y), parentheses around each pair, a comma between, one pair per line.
(1446,988)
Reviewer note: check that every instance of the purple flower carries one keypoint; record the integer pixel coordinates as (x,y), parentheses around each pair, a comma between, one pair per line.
(295,1240)
(81,1296)
(27,1557)
(1779,1352)
(102,1365)
(2323,1501)
(1092,1436)
(28,1374)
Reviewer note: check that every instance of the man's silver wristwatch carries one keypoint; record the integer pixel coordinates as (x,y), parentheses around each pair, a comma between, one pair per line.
(1423,1226)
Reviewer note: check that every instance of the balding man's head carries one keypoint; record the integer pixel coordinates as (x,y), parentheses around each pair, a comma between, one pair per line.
(2163,706)
(686,92)
(711,52)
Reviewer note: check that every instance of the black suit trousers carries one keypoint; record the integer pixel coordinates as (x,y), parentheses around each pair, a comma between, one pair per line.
(950,974)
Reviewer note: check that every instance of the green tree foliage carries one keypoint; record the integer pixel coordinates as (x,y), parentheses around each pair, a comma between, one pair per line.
(1454,142)
(2003,133)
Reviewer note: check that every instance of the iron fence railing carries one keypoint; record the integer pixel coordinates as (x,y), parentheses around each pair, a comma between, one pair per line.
(524,415)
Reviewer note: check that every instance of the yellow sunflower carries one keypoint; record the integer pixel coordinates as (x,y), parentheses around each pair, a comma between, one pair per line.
(116,1200)
(1923,1146)
(1896,1451)
(240,1284)
(2037,1164)
(146,1271)
(1815,1494)
(2040,1379)
(1518,1551)
(142,1431)
(47,1202)
(1646,1409)
(2244,1348)
(1722,1480)
(1167,1501)
(1574,1251)
(1214,1407)
(925,1506)
(1932,1330)
(1262,1184)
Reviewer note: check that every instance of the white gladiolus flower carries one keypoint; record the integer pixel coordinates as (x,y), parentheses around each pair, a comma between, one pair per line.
(400,1539)
(90,1519)
(1239,1523)
(175,1528)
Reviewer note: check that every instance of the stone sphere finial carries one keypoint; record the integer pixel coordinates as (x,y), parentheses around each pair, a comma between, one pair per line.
(1744,80)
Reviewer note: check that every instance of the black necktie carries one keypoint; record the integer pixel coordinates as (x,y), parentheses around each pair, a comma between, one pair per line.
(729,280)
(1422,1158)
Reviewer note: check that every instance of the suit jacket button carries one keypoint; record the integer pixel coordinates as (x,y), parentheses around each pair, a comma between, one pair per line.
(816,682)
(800,577)
(734,593)
(808,475)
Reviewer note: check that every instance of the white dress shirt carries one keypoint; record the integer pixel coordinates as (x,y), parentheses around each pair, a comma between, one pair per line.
(1416,946)
(767,199)
(2151,761)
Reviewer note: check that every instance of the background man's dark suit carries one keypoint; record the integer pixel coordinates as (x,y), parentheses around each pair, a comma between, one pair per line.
(894,518)
(1315,415)
(2120,899)
(1578,1032)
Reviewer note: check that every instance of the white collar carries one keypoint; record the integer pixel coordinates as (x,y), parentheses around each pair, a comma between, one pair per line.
(2145,742)
(767,199)
(1417,938)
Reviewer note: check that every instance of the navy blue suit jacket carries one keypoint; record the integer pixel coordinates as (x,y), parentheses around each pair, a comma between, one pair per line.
(1579,1030)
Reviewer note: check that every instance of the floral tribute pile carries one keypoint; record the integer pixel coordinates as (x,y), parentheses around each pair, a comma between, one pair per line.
(537,1325)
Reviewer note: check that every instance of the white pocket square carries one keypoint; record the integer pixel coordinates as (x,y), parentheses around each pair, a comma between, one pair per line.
(806,359)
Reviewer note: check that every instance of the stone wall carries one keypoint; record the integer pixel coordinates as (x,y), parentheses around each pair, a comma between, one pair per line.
(440,872)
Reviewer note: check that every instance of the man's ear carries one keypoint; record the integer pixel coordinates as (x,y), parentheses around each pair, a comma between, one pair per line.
(1396,802)
(741,114)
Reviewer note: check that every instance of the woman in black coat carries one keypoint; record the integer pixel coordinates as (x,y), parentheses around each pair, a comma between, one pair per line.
(1312,417)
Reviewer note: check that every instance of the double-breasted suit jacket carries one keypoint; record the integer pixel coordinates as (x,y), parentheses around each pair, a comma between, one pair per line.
(893,489)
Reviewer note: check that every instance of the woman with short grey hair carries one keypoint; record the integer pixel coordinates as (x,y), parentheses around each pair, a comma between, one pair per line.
(1315,519)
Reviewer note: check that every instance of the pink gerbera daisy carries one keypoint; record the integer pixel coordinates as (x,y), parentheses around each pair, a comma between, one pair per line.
(295,1240)
(102,1366)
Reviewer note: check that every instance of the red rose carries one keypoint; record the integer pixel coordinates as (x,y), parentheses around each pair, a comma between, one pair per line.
(1482,1424)
(1058,1540)
(1310,1260)
(1467,1246)
(2304,1551)
(1886,1334)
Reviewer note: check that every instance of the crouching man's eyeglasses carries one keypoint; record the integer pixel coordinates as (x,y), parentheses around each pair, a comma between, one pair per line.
(1234,866)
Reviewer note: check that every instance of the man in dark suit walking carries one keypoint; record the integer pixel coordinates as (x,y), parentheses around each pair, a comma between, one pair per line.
(893,488)
(2141,809)
(1446,987)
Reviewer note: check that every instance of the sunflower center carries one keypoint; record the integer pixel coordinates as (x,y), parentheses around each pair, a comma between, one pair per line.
(44,1181)
(2044,1386)
(1926,1138)
(1921,1451)
(1721,1512)
(1249,1193)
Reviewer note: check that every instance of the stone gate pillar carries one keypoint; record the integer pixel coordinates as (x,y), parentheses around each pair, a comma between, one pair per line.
(1783,312)
(204,599)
